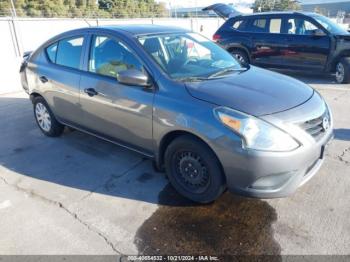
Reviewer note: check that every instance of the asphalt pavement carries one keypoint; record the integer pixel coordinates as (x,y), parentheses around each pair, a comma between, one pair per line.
(77,194)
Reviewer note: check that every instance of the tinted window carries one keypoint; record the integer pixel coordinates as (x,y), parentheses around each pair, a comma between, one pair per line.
(109,57)
(51,52)
(69,52)
(240,25)
(275,25)
(258,25)
(300,26)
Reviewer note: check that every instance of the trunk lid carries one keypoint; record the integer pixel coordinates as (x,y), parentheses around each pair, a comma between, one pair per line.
(223,10)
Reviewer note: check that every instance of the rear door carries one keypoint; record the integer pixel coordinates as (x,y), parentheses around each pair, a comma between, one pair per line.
(305,49)
(121,113)
(266,39)
(59,76)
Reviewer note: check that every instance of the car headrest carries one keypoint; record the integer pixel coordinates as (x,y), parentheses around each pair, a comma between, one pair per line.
(152,45)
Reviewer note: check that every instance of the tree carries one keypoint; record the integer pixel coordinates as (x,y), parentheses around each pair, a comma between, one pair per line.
(5,8)
(87,8)
(275,5)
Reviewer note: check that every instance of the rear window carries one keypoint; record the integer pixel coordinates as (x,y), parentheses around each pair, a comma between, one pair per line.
(263,25)
(66,52)
(51,52)
(259,25)
(275,25)
(69,52)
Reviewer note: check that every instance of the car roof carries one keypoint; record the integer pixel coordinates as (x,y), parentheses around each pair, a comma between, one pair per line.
(278,13)
(145,29)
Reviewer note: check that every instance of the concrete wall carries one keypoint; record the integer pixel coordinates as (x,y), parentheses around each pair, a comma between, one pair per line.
(20,35)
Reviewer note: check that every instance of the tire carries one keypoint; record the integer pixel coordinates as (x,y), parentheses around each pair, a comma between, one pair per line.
(342,71)
(194,170)
(45,118)
(241,56)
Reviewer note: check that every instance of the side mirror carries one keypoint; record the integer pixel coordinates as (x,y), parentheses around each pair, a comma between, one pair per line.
(318,32)
(133,77)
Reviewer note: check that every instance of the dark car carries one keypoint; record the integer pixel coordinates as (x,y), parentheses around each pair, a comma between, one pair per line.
(290,40)
(185,102)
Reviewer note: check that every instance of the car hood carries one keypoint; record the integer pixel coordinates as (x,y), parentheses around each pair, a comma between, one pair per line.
(255,91)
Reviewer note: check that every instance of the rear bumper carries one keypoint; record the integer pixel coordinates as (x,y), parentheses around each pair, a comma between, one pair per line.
(274,175)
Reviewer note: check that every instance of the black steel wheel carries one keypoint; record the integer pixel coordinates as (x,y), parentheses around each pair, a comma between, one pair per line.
(194,170)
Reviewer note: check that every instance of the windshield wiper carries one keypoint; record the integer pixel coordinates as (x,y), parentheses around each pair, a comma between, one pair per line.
(227,70)
(191,79)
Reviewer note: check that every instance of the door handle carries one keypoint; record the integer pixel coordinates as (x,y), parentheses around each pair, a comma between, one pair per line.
(43,79)
(91,92)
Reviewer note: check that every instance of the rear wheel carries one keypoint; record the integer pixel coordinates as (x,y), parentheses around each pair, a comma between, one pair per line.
(45,118)
(194,170)
(342,71)
(241,56)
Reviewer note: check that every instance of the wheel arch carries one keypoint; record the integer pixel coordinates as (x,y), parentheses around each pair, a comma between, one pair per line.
(336,59)
(170,137)
(34,95)
(239,48)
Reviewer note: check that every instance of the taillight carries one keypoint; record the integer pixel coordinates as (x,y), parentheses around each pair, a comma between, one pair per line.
(216,37)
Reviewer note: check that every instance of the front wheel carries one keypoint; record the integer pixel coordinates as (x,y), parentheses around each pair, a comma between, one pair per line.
(46,119)
(342,71)
(194,170)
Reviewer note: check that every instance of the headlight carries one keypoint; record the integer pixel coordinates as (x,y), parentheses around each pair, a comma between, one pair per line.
(257,134)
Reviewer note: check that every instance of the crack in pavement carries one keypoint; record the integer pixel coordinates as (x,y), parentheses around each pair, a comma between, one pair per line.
(342,155)
(108,185)
(60,205)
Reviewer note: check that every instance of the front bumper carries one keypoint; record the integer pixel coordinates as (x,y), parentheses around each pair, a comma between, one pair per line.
(274,175)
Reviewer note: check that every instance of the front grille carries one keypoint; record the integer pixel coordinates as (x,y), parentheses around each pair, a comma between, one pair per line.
(316,127)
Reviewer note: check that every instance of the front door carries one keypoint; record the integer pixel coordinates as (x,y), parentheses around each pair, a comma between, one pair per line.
(306,49)
(121,113)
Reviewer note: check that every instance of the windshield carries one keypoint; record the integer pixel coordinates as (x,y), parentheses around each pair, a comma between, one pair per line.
(188,55)
(331,26)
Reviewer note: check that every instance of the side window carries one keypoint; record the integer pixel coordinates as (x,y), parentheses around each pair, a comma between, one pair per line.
(275,25)
(300,26)
(240,25)
(236,24)
(259,25)
(69,52)
(51,52)
(109,57)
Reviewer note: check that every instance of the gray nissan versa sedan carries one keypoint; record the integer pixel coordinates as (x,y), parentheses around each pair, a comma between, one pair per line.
(183,101)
